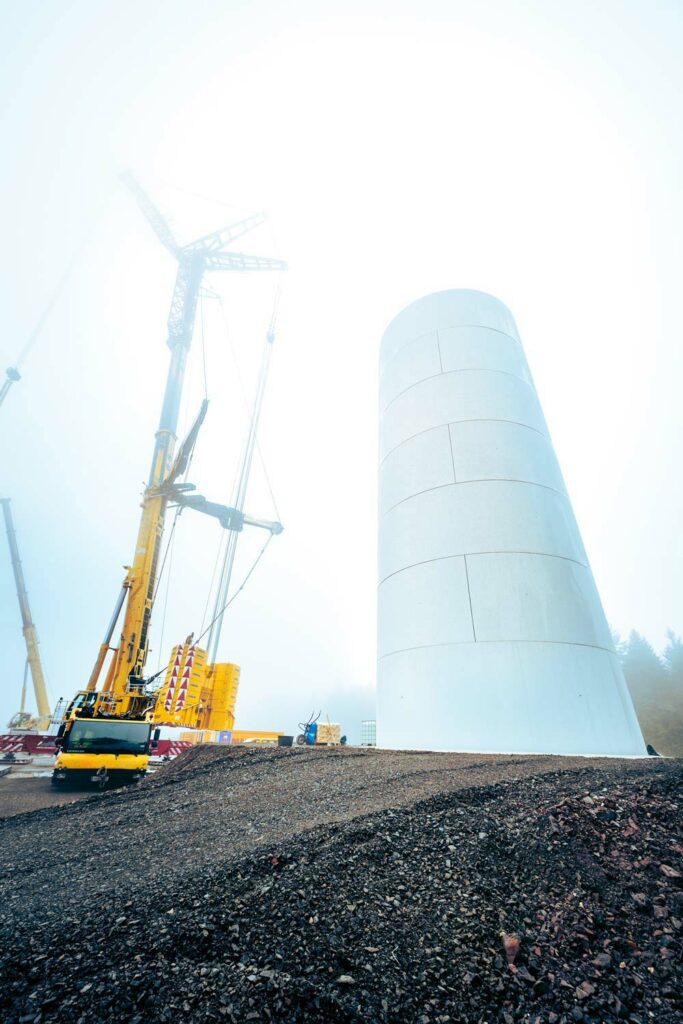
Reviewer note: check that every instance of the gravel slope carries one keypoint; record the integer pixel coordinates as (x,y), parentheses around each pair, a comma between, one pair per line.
(351,885)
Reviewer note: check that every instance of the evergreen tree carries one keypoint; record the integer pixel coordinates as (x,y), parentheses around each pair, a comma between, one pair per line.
(619,643)
(673,658)
(643,668)
(656,689)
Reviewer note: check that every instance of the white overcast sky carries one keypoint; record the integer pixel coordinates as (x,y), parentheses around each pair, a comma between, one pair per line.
(529,149)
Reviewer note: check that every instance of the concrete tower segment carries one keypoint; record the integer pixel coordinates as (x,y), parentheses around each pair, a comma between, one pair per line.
(492,636)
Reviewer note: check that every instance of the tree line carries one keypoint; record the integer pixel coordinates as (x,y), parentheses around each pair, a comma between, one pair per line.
(656,685)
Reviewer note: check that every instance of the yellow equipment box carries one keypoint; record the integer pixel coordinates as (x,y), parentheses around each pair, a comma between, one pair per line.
(255,736)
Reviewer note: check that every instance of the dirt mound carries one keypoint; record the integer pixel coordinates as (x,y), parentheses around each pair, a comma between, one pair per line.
(351,886)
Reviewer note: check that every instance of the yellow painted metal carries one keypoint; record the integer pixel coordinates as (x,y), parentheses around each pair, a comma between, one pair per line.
(219,695)
(79,762)
(197,736)
(255,736)
(180,700)
(42,720)
(200,696)
(118,697)
(112,762)
(40,690)
(97,667)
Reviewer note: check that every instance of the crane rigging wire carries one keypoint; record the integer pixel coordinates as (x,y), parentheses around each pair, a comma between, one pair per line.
(219,553)
(240,380)
(201,322)
(227,603)
(240,494)
(168,553)
(12,374)
(239,589)
(56,293)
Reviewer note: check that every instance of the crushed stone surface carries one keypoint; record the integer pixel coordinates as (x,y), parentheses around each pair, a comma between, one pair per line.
(351,885)
(18,795)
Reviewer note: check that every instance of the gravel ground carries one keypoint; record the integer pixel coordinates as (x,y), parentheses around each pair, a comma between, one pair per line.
(351,885)
(18,795)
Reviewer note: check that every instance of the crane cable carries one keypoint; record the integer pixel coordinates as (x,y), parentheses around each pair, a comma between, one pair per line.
(169,551)
(241,483)
(227,603)
(170,536)
(217,559)
(169,545)
(201,323)
(240,381)
(239,589)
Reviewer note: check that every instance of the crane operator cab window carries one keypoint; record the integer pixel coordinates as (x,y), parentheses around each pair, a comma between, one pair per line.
(92,736)
(83,702)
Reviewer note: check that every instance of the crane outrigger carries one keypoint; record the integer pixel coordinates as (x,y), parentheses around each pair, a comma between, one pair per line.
(107,731)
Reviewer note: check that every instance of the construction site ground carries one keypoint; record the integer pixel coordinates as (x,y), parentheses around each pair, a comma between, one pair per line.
(350,885)
(19,794)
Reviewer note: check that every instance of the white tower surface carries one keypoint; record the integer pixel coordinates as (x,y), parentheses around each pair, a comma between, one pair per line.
(492,636)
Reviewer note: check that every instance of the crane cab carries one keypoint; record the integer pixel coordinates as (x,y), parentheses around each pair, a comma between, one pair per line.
(82,704)
(102,751)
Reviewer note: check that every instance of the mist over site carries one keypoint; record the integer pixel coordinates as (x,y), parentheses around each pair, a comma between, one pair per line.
(397,151)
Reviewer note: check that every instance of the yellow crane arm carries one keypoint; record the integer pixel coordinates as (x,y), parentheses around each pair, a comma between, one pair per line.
(128,663)
(29,630)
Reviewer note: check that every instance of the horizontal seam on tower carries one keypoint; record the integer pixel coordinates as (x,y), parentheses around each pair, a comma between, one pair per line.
(446,373)
(474,554)
(448,423)
(462,643)
(426,334)
(483,480)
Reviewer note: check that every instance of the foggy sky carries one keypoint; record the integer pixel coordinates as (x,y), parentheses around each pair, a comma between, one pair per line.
(529,150)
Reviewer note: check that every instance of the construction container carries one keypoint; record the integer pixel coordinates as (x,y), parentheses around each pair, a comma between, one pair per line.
(255,736)
(199,736)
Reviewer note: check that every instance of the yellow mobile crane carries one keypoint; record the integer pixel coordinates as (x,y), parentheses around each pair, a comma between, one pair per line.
(107,732)
(23,719)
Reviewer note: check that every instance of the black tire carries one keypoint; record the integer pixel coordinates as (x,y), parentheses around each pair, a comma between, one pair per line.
(300,740)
